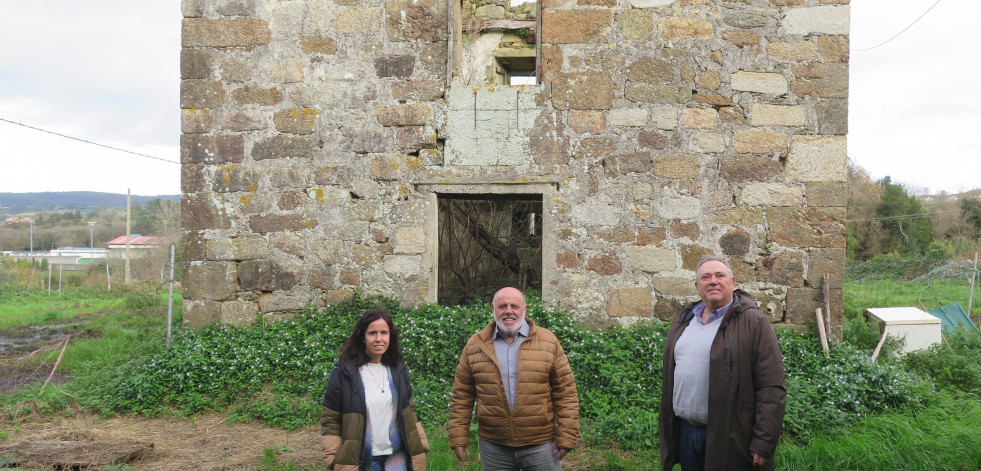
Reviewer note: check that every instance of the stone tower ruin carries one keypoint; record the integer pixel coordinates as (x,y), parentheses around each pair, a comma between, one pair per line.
(435,150)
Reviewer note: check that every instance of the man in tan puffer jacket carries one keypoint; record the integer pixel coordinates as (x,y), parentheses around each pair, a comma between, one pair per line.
(527,403)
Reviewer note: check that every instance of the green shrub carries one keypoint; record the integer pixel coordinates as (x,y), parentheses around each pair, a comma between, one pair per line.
(842,388)
(954,364)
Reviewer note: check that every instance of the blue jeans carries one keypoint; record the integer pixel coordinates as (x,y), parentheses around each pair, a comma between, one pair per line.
(692,452)
(494,457)
(378,462)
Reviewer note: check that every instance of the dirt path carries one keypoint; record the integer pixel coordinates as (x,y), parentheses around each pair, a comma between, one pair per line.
(203,443)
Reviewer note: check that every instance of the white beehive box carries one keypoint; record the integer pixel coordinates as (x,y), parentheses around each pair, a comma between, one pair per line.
(919,328)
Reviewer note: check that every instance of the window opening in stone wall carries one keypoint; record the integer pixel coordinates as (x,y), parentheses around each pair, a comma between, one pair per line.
(487,242)
(495,42)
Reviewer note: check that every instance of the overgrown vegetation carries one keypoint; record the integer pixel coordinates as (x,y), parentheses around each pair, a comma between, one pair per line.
(843,412)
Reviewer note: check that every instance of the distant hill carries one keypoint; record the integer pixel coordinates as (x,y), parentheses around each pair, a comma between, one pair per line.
(15,203)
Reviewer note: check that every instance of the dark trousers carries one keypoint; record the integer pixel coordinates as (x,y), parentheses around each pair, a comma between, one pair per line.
(692,452)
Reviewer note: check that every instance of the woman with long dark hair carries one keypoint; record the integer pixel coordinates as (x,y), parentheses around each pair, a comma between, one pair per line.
(369,421)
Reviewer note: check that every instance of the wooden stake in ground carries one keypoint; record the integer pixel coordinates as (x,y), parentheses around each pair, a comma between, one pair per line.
(826,293)
(875,354)
(58,362)
(821,332)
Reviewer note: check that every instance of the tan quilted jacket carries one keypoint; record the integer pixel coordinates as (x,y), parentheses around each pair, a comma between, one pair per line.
(546,403)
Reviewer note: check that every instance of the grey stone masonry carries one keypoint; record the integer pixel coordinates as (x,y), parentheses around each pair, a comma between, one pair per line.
(319,135)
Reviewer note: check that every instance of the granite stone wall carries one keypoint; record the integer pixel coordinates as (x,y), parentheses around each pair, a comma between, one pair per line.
(318,136)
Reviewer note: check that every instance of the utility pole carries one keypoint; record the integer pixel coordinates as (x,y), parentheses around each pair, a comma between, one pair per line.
(32,237)
(126,254)
(91,234)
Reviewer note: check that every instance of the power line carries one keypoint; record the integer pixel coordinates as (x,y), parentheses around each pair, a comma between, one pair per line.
(902,216)
(87,141)
(901,32)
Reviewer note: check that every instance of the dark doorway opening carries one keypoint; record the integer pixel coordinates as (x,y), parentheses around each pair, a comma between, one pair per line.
(486,242)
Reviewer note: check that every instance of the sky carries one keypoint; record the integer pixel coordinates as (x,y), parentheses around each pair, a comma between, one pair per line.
(107,71)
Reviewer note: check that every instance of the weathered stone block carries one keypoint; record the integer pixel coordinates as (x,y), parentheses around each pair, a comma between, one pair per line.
(807,227)
(235,178)
(240,313)
(622,164)
(652,140)
(402,265)
(213,281)
(256,95)
(202,94)
(199,211)
(732,115)
(224,32)
(358,20)
(349,276)
(651,259)
(193,178)
(592,26)
(773,308)
(737,217)
(664,94)
(816,20)
(674,286)
(198,149)
(678,207)
(281,147)
(768,83)
(417,90)
(710,80)
(772,194)
(833,48)
(296,120)
(318,45)
(742,168)
(676,166)
(194,121)
(629,302)
(635,23)
(735,243)
(242,121)
(651,236)
(803,302)
(821,80)
(236,71)
(650,70)
(583,91)
(409,240)
(666,308)
(826,194)
(741,37)
(198,314)
(762,114)
(283,302)
(817,158)
(745,20)
(196,64)
(672,28)
(801,51)
(587,122)
(605,264)
(691,254)
(785,269)
(707,143)
(412,114)
(394,66)
(416,19)
(264,275)
(290,244)
(822,262)
(279,223)
(335,296)
(568,260)
(759,141)
(699,118)
(832,116)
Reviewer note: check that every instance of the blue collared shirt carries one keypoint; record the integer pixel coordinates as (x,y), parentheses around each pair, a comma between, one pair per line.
(507,359)
(699,309)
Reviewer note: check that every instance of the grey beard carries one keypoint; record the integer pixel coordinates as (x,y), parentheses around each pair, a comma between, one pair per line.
(510,332)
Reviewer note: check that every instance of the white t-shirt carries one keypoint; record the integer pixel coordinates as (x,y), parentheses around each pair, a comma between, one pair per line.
(381,409)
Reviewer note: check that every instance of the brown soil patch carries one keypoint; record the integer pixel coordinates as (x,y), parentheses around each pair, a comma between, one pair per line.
(205,442)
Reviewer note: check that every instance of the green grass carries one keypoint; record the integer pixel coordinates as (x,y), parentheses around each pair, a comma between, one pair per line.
(931,294)
(943,436)
(23,308)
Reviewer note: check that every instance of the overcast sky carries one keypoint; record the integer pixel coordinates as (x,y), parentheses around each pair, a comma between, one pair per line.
(107,71)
